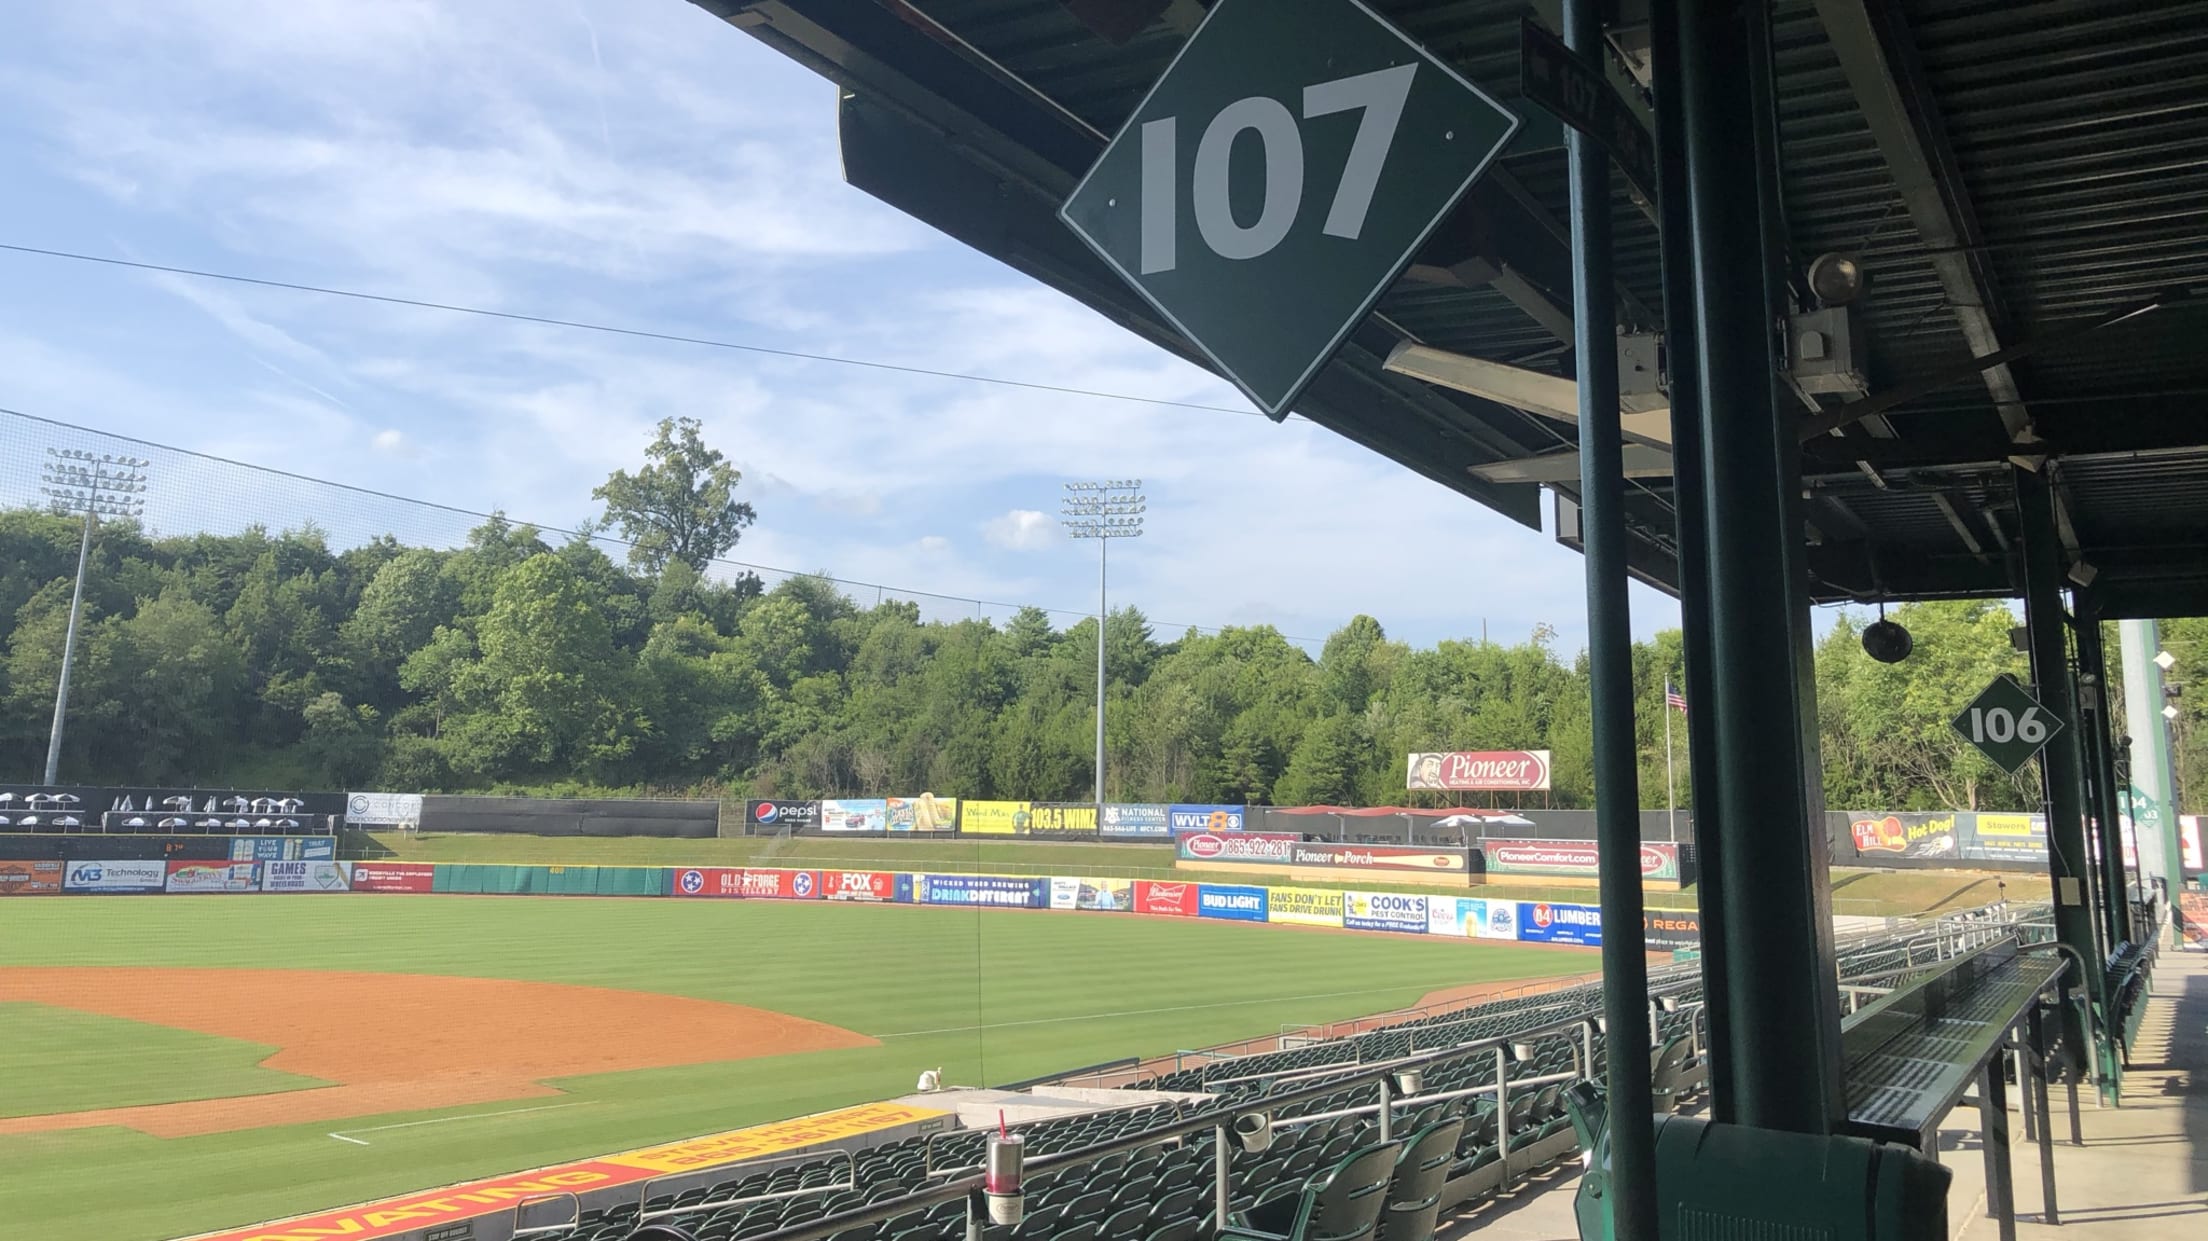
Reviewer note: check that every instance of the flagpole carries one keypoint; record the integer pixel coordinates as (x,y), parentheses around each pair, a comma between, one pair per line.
(1671,796)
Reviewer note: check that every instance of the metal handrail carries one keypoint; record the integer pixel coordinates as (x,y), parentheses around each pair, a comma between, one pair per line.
(850,1171)
(573,1217)
(1218,1119)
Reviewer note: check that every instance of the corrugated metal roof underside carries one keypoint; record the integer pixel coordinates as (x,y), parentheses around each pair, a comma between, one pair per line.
(2080,139)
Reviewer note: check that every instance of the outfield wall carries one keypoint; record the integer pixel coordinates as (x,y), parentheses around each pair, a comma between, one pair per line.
(199,865)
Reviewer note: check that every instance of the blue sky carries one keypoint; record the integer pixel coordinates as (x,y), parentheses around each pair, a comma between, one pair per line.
(640,163)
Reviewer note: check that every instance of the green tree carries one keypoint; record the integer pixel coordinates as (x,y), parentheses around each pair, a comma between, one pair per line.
(681,505)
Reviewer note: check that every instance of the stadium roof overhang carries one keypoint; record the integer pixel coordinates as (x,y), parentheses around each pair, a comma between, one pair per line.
(2012,178)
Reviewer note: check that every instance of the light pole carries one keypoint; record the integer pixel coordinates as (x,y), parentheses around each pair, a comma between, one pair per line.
(96,485)
(1102,511)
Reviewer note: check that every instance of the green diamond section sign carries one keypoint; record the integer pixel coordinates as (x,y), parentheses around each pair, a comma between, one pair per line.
(1279,177)
(2006,724)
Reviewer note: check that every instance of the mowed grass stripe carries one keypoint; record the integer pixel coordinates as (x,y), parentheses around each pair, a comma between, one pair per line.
(61,1060)
(1098,985)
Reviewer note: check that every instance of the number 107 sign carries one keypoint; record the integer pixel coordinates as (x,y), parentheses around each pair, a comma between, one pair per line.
(1279,177)
(2006,724)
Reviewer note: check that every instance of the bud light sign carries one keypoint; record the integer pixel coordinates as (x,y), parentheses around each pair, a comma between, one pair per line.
(1559,924)
(1384,911)
(1230,901)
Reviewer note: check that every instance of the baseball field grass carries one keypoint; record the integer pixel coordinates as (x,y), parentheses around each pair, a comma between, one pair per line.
(990,996)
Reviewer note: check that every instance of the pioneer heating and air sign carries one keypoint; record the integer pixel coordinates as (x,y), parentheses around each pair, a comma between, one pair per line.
(1475,771)
(1572,859)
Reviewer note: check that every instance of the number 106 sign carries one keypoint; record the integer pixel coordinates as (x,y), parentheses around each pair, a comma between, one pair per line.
(1278,178)
(2006,724)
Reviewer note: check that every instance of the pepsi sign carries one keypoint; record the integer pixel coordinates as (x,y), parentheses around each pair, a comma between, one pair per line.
(779,816)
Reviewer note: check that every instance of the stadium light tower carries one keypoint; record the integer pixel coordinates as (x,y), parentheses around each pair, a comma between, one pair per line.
(1103,511)
(96,485)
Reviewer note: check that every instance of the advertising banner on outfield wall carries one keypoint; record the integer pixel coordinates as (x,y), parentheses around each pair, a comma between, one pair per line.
(1046,817)
(1380,857)
(994,890)
(860,885)
(110,875)
(1570,858)
(1136,819)
(283,848)
(392,876)
(1270,847)
(1304,906)
(1230,901)
(713,881)
(197,877)
(32,878)
(781,885)
(1172,900)
(303,877)
(1540,923)
(1384,911)
(1204,818)
(1106,895)
(775,816)
(1672,928)
(992,818)
(1471,917)
(869,814)
(382,809)
(1480,771)
(925,813)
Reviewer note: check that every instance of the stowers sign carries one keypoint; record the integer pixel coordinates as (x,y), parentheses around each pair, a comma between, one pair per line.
(1480,770)
(1575,858)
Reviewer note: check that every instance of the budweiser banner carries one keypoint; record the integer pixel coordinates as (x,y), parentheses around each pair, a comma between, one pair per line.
(1481,770)
(1572,858)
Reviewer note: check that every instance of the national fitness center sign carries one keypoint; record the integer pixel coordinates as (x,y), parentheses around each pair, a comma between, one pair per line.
(1480,771)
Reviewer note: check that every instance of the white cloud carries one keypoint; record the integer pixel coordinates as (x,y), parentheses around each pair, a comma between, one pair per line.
(1021,530)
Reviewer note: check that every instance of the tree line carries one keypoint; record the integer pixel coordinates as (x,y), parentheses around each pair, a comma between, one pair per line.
(514,664)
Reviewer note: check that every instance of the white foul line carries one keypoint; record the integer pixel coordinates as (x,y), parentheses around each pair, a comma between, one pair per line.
(409,1124)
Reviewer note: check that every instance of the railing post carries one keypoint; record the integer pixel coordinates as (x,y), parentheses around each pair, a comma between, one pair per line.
(1222,1184)
(1502,1109)
(1387,1110)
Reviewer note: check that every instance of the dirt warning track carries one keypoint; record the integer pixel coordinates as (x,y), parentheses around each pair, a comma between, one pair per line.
(401,1042)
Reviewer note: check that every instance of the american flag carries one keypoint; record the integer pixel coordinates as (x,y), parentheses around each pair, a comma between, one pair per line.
(1673,698)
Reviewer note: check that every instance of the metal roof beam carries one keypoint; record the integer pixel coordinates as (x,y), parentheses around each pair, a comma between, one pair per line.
(1879,58)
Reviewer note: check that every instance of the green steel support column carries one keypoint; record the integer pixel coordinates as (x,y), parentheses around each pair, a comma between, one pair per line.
(2101,766)
(1784,997)
(1632,1107)
(2067,865)
(2153,773)
(1685,390)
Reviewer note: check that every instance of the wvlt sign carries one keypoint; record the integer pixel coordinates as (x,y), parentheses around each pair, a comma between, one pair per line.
(1279,177)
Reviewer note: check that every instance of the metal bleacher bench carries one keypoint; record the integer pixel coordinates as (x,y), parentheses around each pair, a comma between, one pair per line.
(1909,1057)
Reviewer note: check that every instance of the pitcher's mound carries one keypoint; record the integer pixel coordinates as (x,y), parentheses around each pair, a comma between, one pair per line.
(401,1042)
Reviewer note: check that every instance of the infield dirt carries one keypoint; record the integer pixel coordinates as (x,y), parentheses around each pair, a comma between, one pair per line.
(401,1042)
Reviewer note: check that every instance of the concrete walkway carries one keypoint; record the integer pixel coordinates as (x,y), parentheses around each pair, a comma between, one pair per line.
(2142,1174)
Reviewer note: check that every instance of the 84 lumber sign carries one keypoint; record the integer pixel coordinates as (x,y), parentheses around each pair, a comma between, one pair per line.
(1279,177)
